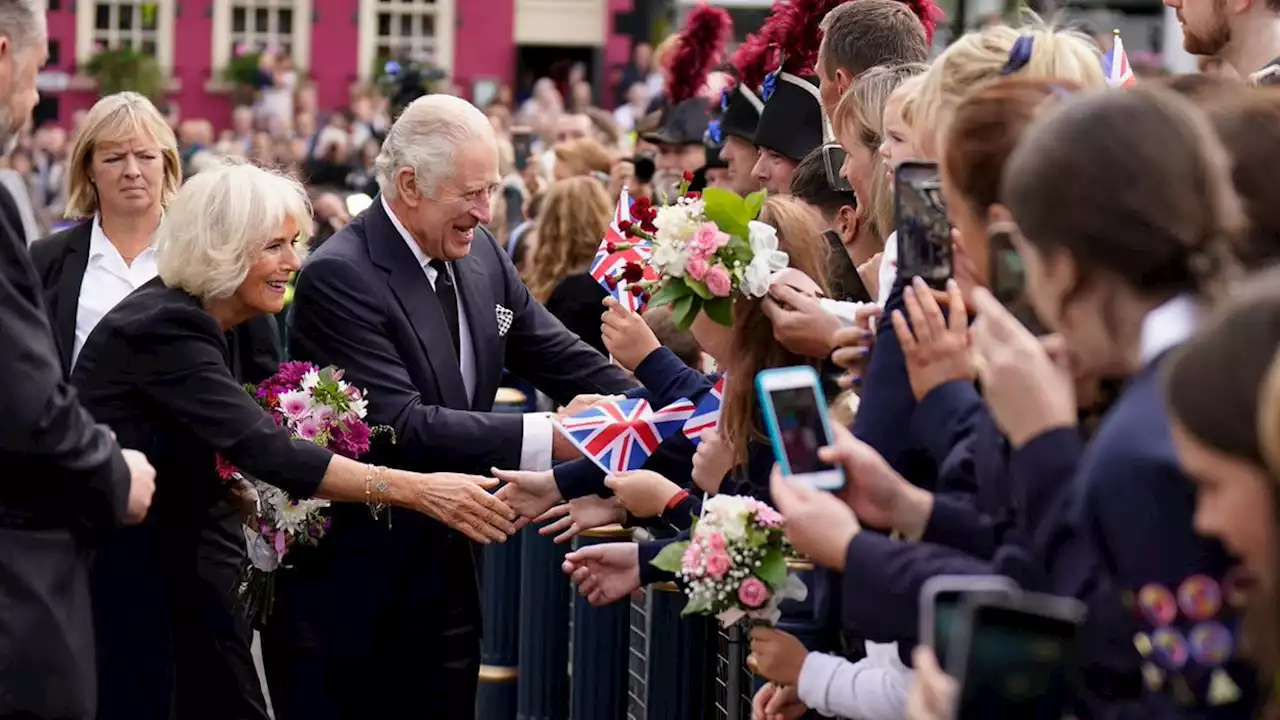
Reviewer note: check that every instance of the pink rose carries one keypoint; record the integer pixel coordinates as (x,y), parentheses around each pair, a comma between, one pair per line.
(715,541)
(718,564)
(707,239)
(692,558)
(753,593)
(718,281)
(696,268)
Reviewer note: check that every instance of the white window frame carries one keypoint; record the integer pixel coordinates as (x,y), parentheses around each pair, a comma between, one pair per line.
(86,34)
(444,24)
(299,41)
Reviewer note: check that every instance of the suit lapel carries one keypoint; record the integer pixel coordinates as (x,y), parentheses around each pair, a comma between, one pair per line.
(74,264)
(477,302)
(412,289)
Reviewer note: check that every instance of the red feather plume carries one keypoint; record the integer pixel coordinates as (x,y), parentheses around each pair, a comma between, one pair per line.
(753,60)
(929,15)
(793,29)
(697,52)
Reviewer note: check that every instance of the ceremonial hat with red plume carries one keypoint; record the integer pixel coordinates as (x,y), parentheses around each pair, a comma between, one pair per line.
(697,52)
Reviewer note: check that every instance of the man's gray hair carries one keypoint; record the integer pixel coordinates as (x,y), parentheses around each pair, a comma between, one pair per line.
(424,138)
(21,21)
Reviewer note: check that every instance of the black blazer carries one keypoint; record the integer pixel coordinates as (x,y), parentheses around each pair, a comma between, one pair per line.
(64,472)
(60,260)
(364,304)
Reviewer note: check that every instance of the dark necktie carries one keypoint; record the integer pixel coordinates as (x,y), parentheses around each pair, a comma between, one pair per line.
(448,298)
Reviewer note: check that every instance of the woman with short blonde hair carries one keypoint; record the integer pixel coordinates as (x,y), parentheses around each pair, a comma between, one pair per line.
(114,119)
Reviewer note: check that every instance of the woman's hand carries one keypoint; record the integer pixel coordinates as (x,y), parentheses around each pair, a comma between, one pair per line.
(818,524)
(854,344)
(776,655)
(463,503)
(644,493)
(933,693)
(243,497)
(799,322)
(626,335)
(936,349)
(878,495)
(584,513)
(774,702)
(1027,391)
(712,461)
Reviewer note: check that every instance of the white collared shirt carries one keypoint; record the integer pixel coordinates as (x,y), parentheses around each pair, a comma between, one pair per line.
(1170,324)
(535,450)
(107,281)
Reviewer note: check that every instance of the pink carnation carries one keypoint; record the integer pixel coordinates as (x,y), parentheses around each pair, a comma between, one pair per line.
(692,559)
(707,239)
(715,541)
(718,563)
(767,516)
(753,593)
(696,268)
(718,281)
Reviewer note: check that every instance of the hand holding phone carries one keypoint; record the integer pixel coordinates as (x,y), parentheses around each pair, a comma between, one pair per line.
(795,414)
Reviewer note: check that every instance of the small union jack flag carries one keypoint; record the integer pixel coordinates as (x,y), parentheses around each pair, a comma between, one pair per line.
(707,414)
(621,435)
(1116,64)
(608,265)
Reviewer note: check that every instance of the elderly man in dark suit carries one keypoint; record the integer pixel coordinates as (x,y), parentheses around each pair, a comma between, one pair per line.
(67,480)
(423,309)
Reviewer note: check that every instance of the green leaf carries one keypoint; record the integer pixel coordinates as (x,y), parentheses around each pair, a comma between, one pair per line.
(773,569)
(726,209)
(753,203)
(720,310)
(699,288)
(673,290)
(684,310)
(669,557)
(697,606)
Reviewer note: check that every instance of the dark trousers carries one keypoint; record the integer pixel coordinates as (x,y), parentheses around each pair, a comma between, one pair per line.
(376,623)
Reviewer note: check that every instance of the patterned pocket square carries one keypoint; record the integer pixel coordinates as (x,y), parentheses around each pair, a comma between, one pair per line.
(505,317)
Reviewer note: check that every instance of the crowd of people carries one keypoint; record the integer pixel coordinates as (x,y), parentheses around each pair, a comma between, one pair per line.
(1105,431)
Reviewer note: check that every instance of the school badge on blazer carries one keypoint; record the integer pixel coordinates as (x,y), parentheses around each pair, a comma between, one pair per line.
(505,316)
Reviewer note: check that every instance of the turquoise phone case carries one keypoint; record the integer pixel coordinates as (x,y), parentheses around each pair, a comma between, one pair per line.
(771,415)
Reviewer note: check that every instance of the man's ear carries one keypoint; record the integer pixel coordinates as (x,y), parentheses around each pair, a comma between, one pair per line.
(847,224)
(844,79)
(407,187)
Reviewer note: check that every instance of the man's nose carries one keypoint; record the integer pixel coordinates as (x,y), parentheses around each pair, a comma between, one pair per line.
(482,212)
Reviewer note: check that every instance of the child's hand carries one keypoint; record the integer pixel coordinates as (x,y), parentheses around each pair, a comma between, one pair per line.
(644,493)
(778,656)
(626,335)
(712,461)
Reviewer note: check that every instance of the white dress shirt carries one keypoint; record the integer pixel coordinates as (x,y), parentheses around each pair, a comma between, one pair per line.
(874,688)
(535,450)
(1170,324)
(107,280)
(888,273)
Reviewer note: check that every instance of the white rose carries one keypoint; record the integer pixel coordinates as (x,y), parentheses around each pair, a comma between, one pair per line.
(766,259)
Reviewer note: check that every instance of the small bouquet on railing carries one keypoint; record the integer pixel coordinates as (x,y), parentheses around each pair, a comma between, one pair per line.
(735,563)
(316,405)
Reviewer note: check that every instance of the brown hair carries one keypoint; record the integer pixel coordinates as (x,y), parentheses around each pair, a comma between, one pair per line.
(584,156)
(753,347)
(575,215)
(857,36)
(1238,413)
(809,184)
(1133,184)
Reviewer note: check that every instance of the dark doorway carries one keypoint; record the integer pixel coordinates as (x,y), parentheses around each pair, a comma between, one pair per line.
(534,62)
(46,111)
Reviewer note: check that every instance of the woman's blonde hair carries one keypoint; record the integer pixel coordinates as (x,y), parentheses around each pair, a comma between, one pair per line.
(574,217)
(753,346)
(907,94)
(861,111)
(220,221)
(117,118)
(584,156)
(980,57)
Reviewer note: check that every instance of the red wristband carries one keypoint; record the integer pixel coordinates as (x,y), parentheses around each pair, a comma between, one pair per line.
(676,500)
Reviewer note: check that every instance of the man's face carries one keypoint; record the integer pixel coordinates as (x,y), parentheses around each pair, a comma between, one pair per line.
(672,162)
(774,172)
(18,71)
(740,156)
(831,88)
(444,223)
(719,178)
(572,126)
(1205,27)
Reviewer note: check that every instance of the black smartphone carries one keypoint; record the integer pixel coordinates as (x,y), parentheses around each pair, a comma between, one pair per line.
(924,233)
(842,275)
(522,143)
(1008,278)
(1013,656)
(833,157)
(943,597)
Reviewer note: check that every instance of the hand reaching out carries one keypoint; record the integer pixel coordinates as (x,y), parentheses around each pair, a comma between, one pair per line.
(529,493)
(775,702)
(583,402)
(584,513)
(712,461)
(777,655)
(933,693)
(626,335)
(604,573)
(644,493)
(463,503)
(936,348)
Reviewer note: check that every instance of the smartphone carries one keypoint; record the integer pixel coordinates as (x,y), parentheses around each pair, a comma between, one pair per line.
(795,413)
(942,598)
(846,283)
(522,144)
(833,160)
(1008,278)
(1012,657)
(924,233)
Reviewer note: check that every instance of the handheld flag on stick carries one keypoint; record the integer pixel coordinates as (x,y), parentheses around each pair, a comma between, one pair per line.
(622,263)
(706,415)
(621,435)
(1116,64)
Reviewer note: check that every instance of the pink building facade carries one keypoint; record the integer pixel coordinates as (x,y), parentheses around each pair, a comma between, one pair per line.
(333,41)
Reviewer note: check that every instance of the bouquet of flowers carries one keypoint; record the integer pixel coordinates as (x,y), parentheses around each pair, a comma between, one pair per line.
(314,404)
(705,248)
(735,563)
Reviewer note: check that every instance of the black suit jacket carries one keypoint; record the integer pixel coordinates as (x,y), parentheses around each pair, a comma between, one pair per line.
(60,260)
(62,471)
(363,303)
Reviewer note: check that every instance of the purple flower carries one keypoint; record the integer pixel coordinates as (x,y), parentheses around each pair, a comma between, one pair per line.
(289,374)
(308,429)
